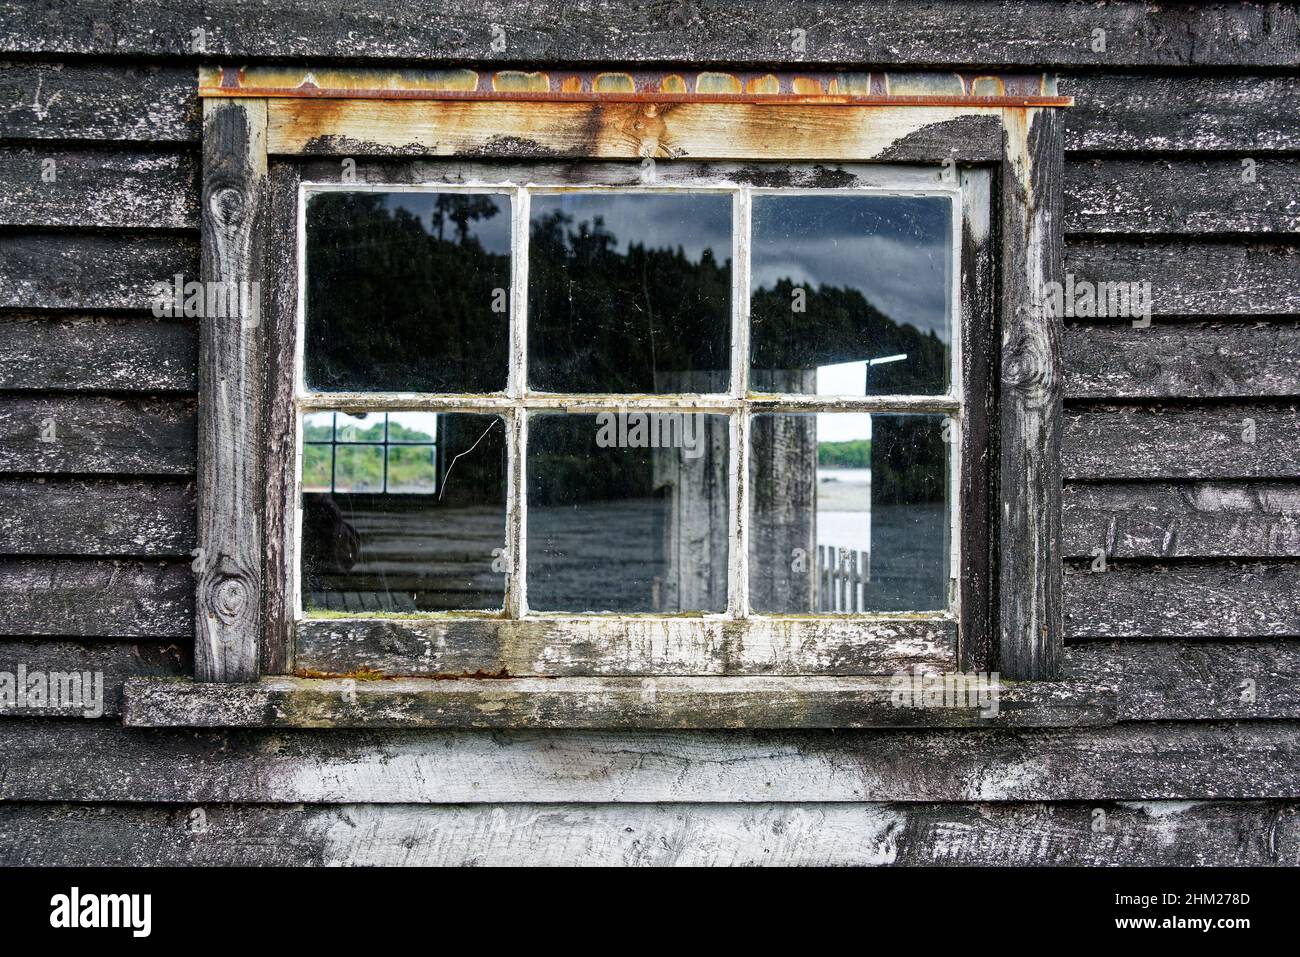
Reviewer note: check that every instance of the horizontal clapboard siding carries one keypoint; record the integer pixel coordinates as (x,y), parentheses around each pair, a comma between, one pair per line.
(1195,617)
(109,100)
(1185,360)
(96,434)
(1195,277)
(1240,195)
(90,517)
(1181,112)
(105,187)
(1245,442)
(967,32)
(1170,520)
(96,598)
(90,271)
(77,760)
(79,352)
(1014,834)
(116,661)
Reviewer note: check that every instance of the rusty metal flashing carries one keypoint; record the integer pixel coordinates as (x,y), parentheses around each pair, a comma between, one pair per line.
(592,86)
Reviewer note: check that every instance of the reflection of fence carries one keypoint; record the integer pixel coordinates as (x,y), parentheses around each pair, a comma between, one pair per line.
(842,576)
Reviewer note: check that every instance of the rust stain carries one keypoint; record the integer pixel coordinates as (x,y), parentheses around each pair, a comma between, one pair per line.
(613,83)
(804,87)
(518,81)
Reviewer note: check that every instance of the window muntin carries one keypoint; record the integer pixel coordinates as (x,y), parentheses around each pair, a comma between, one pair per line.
(557,552)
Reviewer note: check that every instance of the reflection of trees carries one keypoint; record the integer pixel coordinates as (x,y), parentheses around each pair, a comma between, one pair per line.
(838,325)
(392,307)
(605,321)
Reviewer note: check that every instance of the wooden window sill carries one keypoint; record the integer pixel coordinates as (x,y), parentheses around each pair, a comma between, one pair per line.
(765,702)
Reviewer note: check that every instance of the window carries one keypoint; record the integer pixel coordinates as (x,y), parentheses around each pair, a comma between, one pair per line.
(705,400)
(739,385)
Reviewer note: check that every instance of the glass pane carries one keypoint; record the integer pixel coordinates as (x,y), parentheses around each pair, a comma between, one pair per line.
(848,512)
(317,468)
(407,292)
(850,295)
(358,468)
(627,512)
(412,469)
(629,292)
(433,541)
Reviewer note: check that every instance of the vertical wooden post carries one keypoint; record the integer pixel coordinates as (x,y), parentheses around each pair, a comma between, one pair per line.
(228,607)
(1029,547)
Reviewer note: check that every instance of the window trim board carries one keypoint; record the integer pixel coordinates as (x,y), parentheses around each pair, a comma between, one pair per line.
(230,646)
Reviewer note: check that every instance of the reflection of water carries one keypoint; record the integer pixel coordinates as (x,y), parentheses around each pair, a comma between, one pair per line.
(844,508)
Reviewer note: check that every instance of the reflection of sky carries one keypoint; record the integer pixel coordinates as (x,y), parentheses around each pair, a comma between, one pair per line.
(694,222)
(843,426)
(893,249)
(493,232)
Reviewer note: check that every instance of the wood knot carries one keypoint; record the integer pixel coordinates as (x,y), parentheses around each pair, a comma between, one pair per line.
(1027,366)
(227,205)
(231,598)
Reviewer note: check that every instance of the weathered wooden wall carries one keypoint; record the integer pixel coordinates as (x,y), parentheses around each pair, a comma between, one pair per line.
(1199,605)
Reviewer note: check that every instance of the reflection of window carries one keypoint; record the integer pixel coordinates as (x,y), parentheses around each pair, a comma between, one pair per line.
(388,453)
(617,395)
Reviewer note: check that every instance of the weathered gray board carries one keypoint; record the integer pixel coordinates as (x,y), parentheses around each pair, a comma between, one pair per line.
(1189,518)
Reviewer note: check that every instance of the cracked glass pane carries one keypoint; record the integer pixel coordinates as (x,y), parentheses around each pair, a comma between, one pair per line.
(403,511)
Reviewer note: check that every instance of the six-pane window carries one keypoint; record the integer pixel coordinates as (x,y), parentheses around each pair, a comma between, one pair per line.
(723,400)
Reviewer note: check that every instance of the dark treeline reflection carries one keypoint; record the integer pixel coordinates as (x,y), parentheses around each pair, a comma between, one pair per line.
(629,293)
(407,292)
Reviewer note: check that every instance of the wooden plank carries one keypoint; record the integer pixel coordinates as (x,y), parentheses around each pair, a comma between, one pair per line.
(515,130)
(1164,833)
(1173,196)
(1222,600)
(1183,520)
(978,639)
(88,517)
(115,101)
(94,434)
(1029,525)
(97,353)
(1195,680)
(960,32)
(93,761)
(1212,443)
(1195,278)
(1194,360)
(89,271)
(232,374)
(615,703)
(281,315)
(629,646)
(134,189)
(1127,112)
(83,598)
(115,661)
